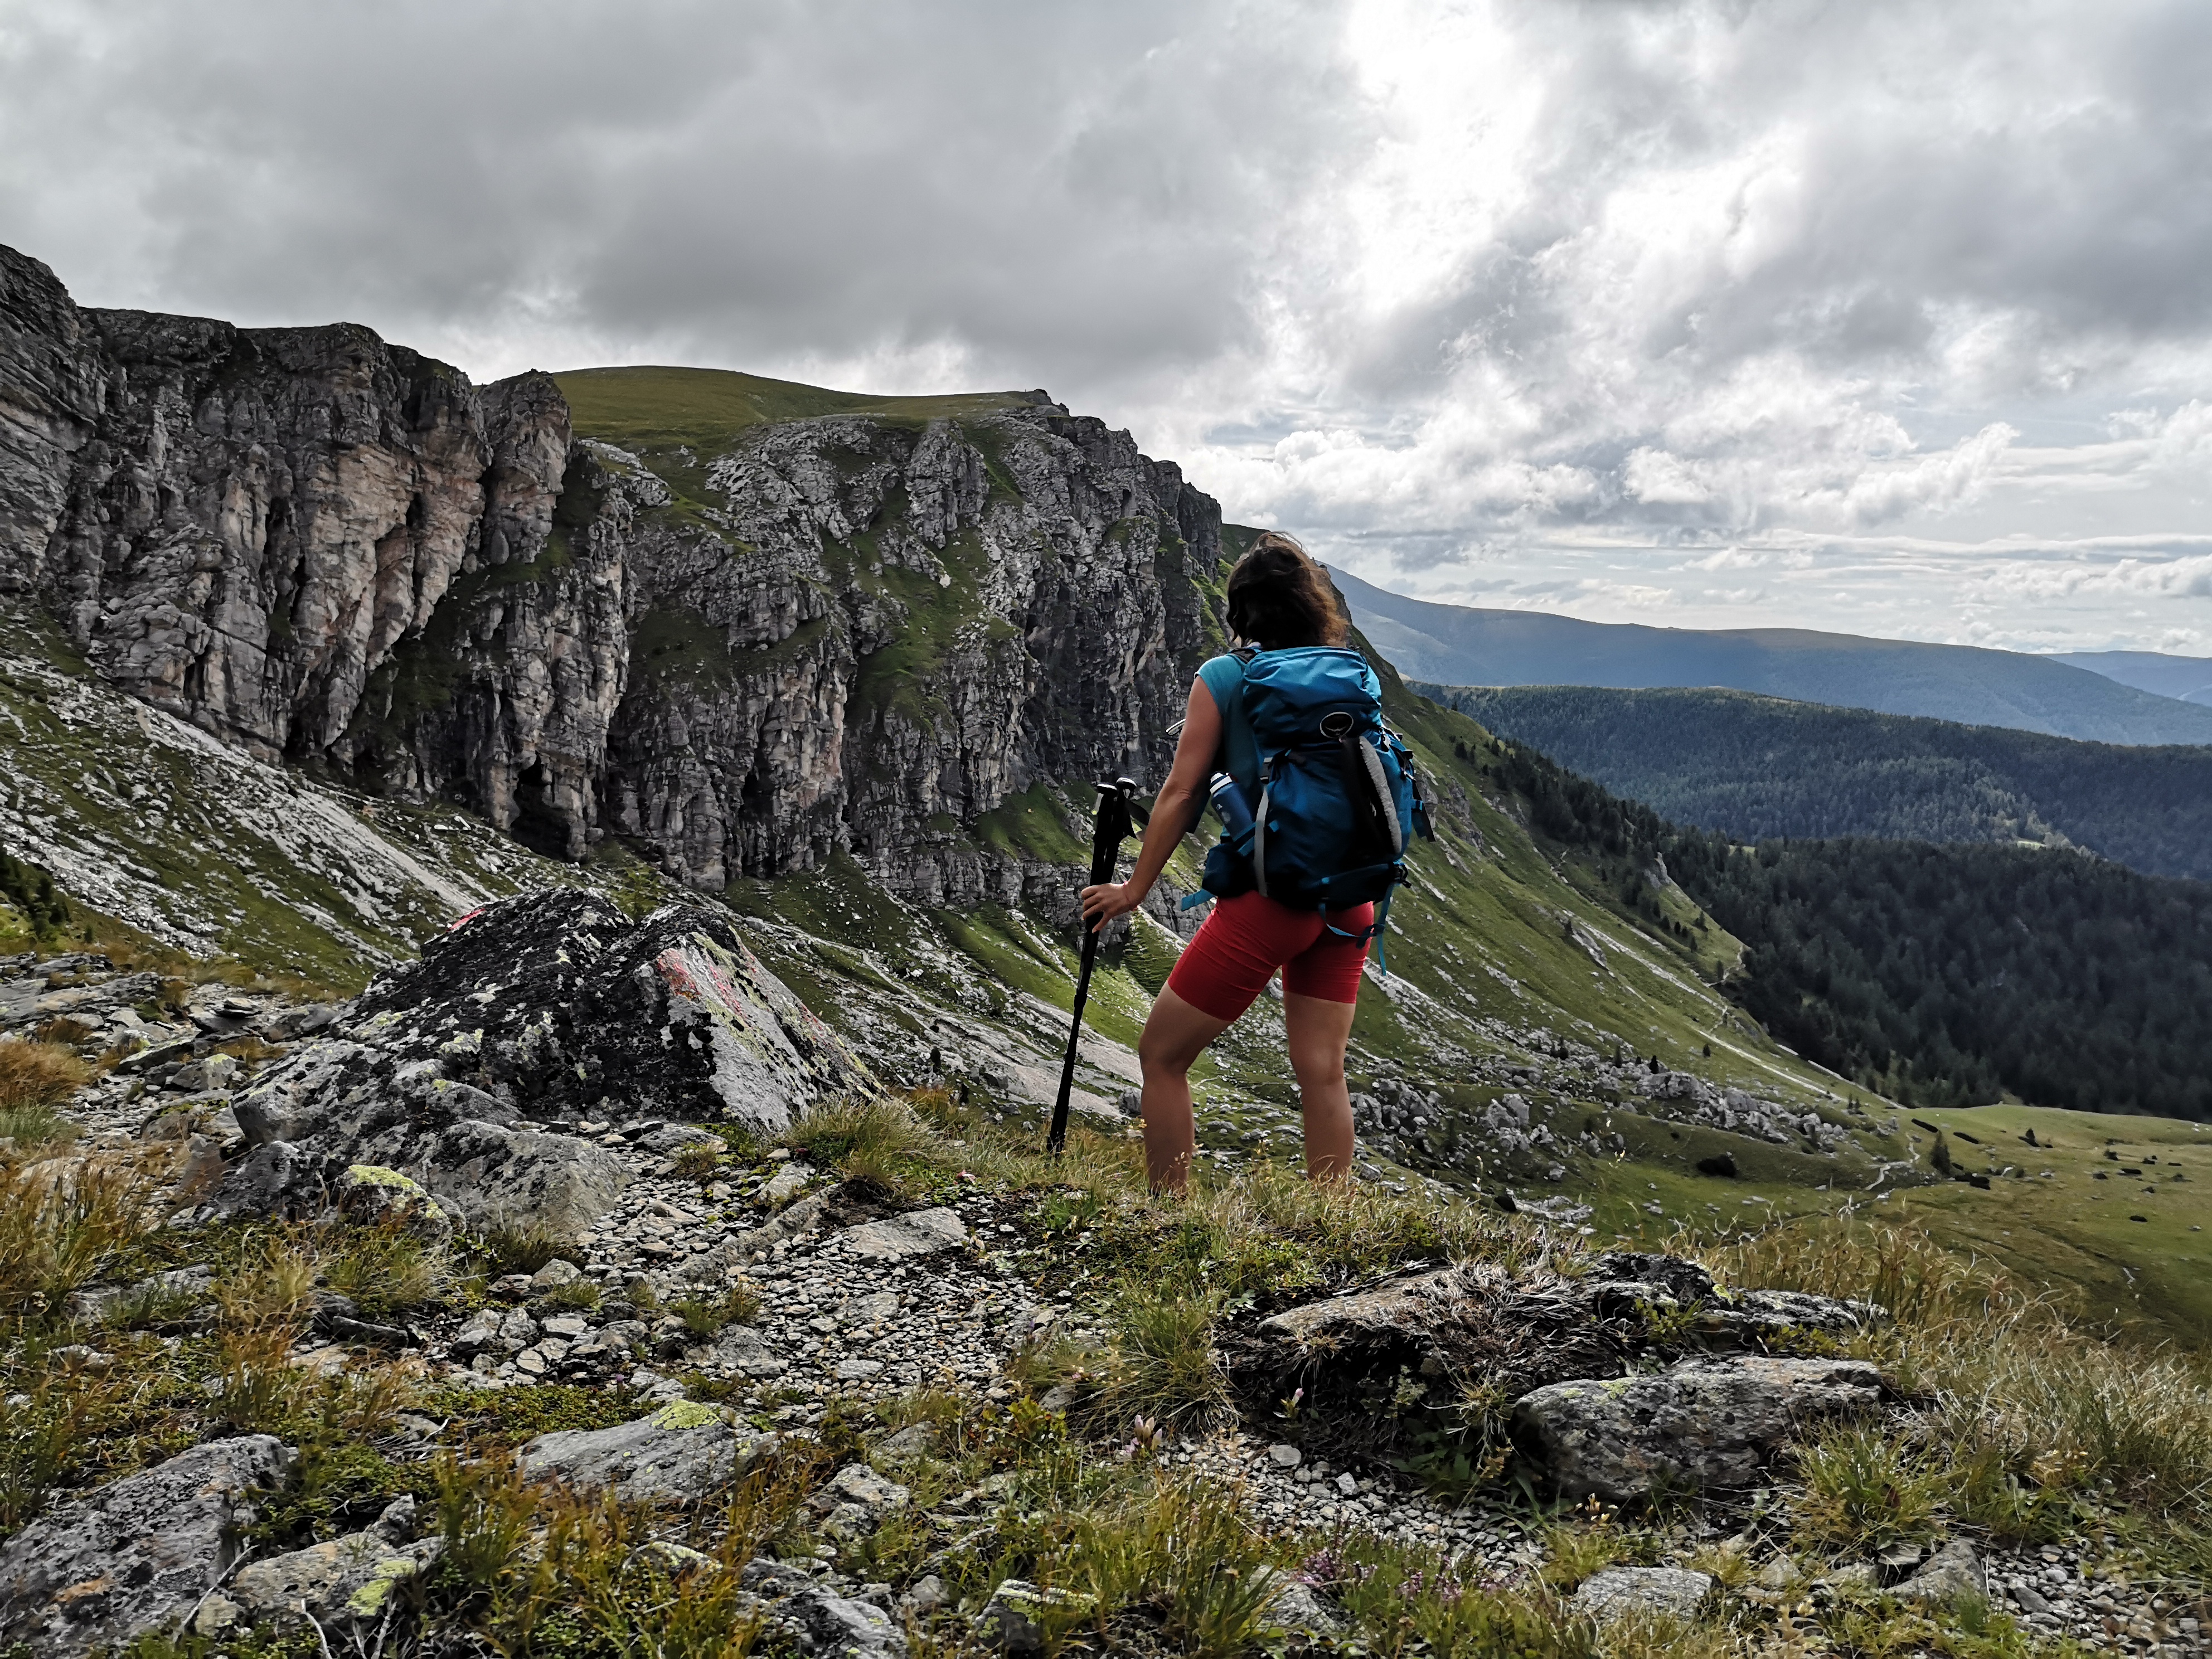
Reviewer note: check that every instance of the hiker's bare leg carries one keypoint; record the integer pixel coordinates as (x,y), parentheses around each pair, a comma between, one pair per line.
(1175,1036)
(1318,1029)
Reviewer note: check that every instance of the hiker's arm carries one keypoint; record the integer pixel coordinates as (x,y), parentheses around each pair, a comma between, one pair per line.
(1173,811)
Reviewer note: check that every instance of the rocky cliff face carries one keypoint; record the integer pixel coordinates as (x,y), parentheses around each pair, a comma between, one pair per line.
(848,631)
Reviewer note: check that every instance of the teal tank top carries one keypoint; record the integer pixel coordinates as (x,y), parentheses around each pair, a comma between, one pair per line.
(1224,677)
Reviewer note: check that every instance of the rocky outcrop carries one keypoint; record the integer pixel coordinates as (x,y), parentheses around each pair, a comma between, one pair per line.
(1700,1424)
(478,1077)
(842,634)
(1375,1368)
(139,1553)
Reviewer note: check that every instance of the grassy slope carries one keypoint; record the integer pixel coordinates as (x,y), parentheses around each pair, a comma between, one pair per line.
(155,825)
(2073,1231)
(1480,958)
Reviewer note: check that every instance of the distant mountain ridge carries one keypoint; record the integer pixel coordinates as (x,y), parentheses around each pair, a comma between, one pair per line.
(2186,678)
(1460,645)
(1754,766)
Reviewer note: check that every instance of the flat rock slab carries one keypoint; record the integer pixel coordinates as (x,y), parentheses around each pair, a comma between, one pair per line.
(744,1348)
(340,1580)
(138,1552)
(1704,1423)
(848,1628)
(680,1453)
(1612,1593)
(904,1238)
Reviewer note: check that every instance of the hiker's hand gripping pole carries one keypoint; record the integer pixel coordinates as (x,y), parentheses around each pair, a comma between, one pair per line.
(1118,814)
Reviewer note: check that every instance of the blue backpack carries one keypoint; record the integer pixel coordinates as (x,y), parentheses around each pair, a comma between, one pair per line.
(1339,799)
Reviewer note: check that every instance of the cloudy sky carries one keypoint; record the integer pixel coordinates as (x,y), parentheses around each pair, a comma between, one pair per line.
(1894,317)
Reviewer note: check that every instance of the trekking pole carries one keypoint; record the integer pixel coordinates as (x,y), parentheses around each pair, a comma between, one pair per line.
(1118,814)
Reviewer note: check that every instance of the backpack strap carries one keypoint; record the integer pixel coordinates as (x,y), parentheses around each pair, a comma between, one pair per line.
(1260,830)
(1374,931)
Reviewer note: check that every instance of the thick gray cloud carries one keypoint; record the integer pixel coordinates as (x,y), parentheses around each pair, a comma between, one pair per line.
(1868,314)
(1063,189)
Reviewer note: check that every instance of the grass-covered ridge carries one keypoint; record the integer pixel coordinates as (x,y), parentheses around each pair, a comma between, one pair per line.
(654,407)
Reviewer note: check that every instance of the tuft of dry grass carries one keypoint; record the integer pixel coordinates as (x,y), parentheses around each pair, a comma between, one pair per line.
(698,1160)
(257,1389)
(1406,1600)
(704,1315)
(35,1128)
(386,1269)
(866,1134)
(2053,1411)
(272,1288)
(507,1249)
(1929,1290)
(37,1074)
(64,1222)
(545,1569)
(1164,1366)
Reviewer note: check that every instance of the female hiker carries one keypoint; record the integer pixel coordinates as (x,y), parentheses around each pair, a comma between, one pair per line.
(1278,600)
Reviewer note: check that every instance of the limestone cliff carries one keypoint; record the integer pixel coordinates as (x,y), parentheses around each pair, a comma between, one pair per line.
(744,649)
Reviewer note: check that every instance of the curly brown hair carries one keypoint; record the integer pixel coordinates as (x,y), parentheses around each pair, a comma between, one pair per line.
(1278,598)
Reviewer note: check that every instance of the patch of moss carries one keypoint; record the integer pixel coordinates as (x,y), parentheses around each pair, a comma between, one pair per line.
(507,1417)
(341,1486)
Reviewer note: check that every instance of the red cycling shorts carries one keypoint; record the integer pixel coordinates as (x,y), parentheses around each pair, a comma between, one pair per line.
(1248,937)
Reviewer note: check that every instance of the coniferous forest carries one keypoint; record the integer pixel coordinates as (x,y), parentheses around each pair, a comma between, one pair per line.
(1938,974)
(1754,766)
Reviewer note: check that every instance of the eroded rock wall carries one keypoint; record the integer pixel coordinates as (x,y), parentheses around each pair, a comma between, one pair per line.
(849,632)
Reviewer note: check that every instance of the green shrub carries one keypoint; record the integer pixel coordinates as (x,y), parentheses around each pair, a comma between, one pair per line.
(340,1485)
(507,1417)
(31,891)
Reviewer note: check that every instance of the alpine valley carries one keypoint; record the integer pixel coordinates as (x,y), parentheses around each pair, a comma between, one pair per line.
(609,842)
